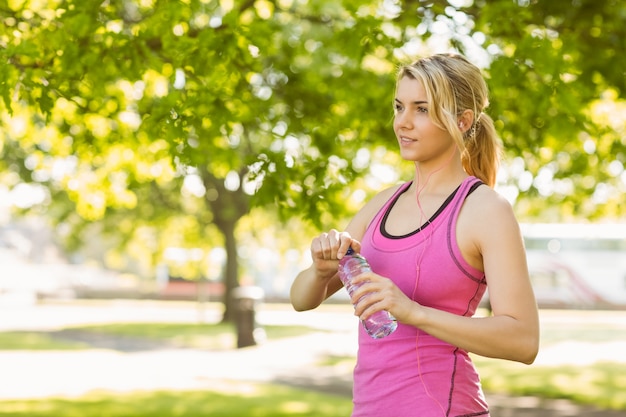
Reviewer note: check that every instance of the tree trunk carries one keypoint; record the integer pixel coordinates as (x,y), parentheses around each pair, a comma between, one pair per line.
(227,209)
(231,271)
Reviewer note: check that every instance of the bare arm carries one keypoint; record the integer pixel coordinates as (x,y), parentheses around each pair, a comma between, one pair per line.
(512,332)
(309,291)
(320,280)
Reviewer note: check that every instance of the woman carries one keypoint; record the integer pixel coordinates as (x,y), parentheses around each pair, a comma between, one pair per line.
(434,245)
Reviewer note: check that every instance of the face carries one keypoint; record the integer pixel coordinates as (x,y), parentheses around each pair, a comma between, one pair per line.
(419,138)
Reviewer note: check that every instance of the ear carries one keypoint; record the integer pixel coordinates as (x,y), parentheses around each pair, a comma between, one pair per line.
(465,120)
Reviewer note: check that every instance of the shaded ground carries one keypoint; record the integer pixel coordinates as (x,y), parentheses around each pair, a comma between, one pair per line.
(331,379)
(125,364)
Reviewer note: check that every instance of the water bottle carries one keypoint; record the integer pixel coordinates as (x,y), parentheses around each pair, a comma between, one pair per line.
(379,324)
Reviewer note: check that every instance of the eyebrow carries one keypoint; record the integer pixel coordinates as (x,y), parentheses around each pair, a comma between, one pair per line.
(418,102)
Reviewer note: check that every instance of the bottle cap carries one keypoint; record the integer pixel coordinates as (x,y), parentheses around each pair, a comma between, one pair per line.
(350,251)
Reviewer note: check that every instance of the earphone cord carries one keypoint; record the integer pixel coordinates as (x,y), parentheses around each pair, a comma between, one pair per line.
(426,244)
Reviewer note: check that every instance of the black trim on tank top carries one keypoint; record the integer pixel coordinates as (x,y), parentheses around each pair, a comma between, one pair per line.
(474,187)
(383,231)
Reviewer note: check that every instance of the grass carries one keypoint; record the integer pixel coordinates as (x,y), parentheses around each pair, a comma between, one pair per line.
(254,400)
(601,384)
(257,401)
(198,336)
(18,340)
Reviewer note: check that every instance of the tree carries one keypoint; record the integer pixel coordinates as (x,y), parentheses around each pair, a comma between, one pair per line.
(235,94)
(286,104)
(558,81)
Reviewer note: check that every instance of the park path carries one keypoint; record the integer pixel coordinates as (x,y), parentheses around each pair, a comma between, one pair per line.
(120,366)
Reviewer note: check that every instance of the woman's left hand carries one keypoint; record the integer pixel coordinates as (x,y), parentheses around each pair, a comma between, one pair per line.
(380,293)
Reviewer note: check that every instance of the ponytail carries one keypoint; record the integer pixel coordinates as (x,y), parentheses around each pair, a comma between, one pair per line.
(482,150)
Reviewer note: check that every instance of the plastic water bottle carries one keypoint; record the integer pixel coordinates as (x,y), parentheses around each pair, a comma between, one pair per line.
(379,324)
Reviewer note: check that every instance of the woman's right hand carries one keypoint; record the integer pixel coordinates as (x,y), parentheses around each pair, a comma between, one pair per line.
(328,248)
(319,281)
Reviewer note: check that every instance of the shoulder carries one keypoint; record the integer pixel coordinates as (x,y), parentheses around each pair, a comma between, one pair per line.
(366,214)
(488,218)
(484,202)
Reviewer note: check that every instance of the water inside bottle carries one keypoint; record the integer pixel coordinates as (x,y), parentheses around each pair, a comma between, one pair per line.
(380,324)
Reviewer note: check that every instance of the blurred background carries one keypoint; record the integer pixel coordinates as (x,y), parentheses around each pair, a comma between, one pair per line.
(165,165)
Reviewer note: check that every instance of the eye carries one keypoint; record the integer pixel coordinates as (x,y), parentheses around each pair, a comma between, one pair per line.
(422,109)
(397,108)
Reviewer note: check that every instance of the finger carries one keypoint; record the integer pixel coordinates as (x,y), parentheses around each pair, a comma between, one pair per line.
(345,243)
(365,278)
(334,240)
(368,306)
(325,245)
(356,245)
(325,242)
(317,248)
(365,289)
(364,299)
(360,304)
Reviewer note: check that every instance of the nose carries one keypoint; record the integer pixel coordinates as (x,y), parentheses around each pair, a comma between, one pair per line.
(402,121)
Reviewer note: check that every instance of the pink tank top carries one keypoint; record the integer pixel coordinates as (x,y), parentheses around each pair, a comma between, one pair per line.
(411,373)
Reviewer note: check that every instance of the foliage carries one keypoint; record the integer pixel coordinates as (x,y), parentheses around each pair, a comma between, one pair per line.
(557,96)
(164,123)
(219,87)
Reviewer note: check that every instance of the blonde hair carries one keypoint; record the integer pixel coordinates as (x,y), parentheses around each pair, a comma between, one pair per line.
(454,85)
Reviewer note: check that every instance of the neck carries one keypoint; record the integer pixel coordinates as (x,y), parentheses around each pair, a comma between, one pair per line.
(440,178)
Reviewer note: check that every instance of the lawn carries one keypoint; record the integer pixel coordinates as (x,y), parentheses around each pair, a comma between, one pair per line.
(257,400)
(198,336)
(260,401)
(602,384)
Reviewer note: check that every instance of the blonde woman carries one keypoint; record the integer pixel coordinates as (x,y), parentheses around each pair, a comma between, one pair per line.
(434,244)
